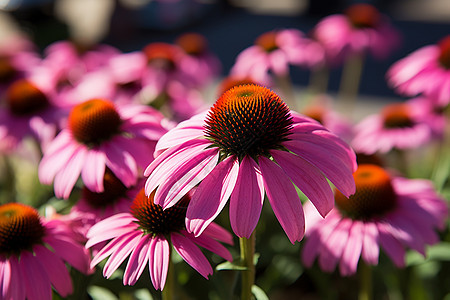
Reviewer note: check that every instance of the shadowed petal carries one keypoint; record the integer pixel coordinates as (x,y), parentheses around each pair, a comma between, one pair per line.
(191,254)
(94,170)
(208,243)
(137,262)
(219,233)
(336,243)
(17,290)
(159,260)
(73,253)
(371,249)
(68,175)
(284,199)
(391,246)
(352,250)
(211,196)
(36,281)
(118,256)
(247,198)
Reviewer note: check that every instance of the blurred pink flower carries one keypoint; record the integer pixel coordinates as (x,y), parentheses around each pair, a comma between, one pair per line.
(391,213)
(360,30)
(33,253)
(425,71)
(275,51)
(402,126)
(229,152)
(144,234)
(99,135)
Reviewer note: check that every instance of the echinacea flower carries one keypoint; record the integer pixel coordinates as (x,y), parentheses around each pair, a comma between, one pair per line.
(425,71)
(249,144)
(386,212)
(143,235)
(275,51)
(360,30)
(101,134)
(406,125)
(33,253)
(31,110)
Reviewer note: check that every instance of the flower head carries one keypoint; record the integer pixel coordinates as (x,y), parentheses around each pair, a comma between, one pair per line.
(391,213)
(405,125)
(361,29)
(33,253)
(425,71)
(249,144)
(144,233)
(101,134)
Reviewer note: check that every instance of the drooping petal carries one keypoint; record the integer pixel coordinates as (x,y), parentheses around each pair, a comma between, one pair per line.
(5,278)
(36,281)
(114,245)
(335,246)
(137,262)
(118,256)
(159,260)
(371,248)
(121,163)
(209,244)
(17,290)
(247,198)
(66,178)
(112,223)
(94,170)
(73,253)
(187,249)
(284,199)
(352,250)
(391,246)
(219,233)
(55,269)
(211,196)
(308,179)
(109,234)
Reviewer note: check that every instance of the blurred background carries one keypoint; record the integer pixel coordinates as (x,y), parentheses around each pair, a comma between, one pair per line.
(229,25)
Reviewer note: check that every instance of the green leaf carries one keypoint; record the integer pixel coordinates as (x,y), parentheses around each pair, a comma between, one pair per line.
(259,293)
(230,266)
(99,293)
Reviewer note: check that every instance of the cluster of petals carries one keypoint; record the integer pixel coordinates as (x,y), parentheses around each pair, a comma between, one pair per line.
(31,274)
(372,135)
(341,39)
(126,239)
(421,72)
(291,48)
(185,158)
(125,153)
(340,240)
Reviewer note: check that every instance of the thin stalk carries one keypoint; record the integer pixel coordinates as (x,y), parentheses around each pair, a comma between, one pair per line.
(10,180)
(365,284)
(350,79)
(318,81)
(247,247)
(284,83)
(168,293)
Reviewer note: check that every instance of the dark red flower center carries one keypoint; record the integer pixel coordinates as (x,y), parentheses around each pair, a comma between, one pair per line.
(374,194)
(161,56)
(153,220)
(397,116)
(114,190)
(20,228)
(444,56)
(267,41)
(7,71)
(24,98)
(193,43)
(248,120)
(94,121)
(363,15)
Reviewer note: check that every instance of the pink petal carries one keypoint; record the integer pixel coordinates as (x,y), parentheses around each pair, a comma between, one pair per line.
(247,198)
(335,246)
(210,244)
(352,250)
(284,199)
(55,269)
(94,170)
(159,260)
(191,254)
(68,175)
(219,233)
(109,234)
(74,254)
(114,245)
(35,280)
(121,163)
(112,223)
(5,278)
(371,249)
(391,246)
(137,262)
(308,179)
(17,290)
(118,256)
(211,196)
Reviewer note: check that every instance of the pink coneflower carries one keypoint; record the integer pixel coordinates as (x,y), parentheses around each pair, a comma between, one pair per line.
(30,111)
(249,144)
(144,234)
(203,65)
(361,29)
(401,126)
(275,51)
(392,213)
(99,135)
(425,71)
(33,253)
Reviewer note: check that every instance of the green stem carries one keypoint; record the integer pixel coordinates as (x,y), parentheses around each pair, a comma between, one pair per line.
(365,284)
(349,85)
(284,83)
(168,293)
(248,276)
(9,180)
